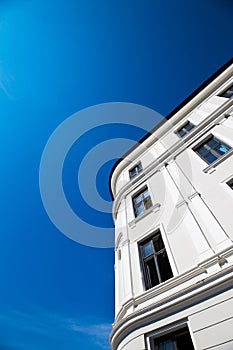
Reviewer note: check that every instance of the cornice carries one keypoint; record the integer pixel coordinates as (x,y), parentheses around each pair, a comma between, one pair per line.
(164,127)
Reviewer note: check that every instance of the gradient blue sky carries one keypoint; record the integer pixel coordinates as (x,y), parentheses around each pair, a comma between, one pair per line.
(57,58)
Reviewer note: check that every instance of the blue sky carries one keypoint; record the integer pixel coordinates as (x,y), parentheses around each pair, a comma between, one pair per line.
(57,58)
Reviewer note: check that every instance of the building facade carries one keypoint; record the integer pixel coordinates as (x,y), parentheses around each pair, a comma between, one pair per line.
(173,201)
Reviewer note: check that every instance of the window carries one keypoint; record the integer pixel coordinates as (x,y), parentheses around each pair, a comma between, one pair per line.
(185,129)
(155,263)
(227,93)
(212,149)
(178,340)
(135,170)
(141,202)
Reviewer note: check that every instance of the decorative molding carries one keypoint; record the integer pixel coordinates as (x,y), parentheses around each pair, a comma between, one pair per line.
(192,295)
(210,168)
(180,204)
(193,195)
(153,209)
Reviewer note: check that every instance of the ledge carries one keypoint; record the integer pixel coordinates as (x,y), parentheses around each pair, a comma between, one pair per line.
(152,209)
(211,168)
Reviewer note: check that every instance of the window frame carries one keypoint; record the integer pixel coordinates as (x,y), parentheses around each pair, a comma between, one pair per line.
(184,129)
(143,201)
(211,150)
(138,169)
(167,334)
(147,278)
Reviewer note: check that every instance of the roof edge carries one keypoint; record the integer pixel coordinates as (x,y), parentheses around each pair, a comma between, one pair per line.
(170,115)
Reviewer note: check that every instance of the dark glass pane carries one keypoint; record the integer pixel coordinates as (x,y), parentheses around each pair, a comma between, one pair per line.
(189,126)
(147,249)
(212,143)
(181,132)
(136,170)
(201,151)
(139,167)
(228,93)
(166,345)
(132,173)
(184,342)
(231,184)
(158,243)
(164,266)
(151,273)
(179,340)
(210,158)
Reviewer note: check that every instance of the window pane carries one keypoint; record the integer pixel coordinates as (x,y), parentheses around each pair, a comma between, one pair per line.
(151,273)
(184,341)
(158,243)
(145,194)
(222,149)
(139,209)
(136,170)
(167,345)
(210,158)
(147,203)
(132,173)
(181,133)
(189,126)
(212,143)
(138,199)
(228,93)
(164,266)
(147,249)
(201,150)
(178,340)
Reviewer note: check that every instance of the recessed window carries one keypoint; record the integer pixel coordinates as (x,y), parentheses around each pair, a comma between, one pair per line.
(155,263)
(228,92)
(178,340)
(185,129)
(141,202)
(212,149)
(135,170)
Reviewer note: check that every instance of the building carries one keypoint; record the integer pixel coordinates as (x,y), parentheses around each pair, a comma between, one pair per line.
(173,201)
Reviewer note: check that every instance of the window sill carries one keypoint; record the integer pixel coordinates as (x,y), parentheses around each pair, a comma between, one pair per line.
(211,168)
(152,209)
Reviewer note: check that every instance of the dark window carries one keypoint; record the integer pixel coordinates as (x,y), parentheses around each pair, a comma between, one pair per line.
(186,128)
(212,149)
(155,263)
(230,184)
(141,202)
(228,92)
(135,170)
(179,340)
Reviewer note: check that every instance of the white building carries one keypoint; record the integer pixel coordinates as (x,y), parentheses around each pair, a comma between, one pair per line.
(173,212)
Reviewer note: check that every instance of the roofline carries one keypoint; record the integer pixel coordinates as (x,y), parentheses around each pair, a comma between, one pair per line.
(170,115)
